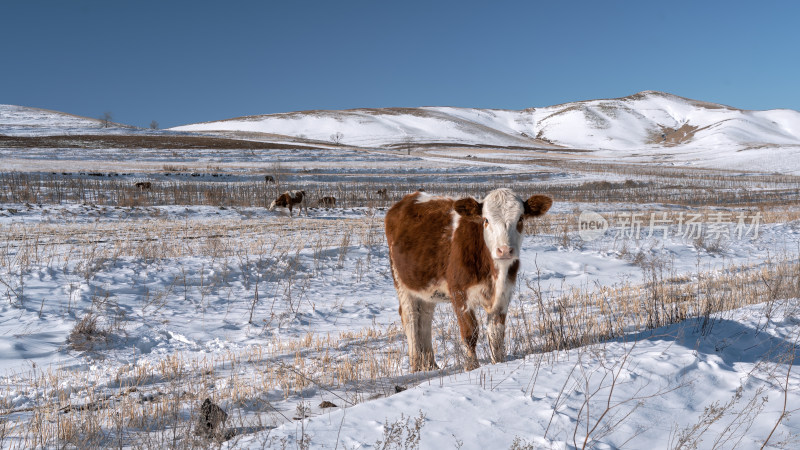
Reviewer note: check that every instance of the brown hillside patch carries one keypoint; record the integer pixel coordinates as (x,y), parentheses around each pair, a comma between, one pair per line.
(133,141)
(672,136)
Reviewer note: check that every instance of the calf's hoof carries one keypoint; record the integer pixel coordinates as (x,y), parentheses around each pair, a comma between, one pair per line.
(471,364)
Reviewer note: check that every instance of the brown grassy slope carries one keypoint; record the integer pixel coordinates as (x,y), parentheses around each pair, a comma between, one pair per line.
(143,141)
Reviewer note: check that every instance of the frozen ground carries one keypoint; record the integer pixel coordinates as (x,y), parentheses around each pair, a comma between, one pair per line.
(673,387)
(174,291)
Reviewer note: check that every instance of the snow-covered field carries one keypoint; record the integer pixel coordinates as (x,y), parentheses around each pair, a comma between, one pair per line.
(673,387)
(117,321)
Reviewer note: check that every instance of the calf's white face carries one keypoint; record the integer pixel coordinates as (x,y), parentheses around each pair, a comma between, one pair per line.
(502,213)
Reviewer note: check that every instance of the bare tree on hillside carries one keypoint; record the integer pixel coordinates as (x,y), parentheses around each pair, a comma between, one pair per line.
(106,118)
(336,138)
(408,143)
(154,125)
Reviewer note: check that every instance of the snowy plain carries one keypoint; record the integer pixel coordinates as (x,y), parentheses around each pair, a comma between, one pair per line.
(238,294)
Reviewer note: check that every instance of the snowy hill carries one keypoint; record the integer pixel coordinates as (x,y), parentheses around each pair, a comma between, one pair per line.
(22,121)
(391,126)
(645,120)
(655,119)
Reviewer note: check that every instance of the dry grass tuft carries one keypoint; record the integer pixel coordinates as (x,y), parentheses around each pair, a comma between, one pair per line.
(87,333)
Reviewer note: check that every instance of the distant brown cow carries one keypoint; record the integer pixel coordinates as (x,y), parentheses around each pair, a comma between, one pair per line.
(288,199)
(327,201)
(464,252)
(269,179)
(382,193)
(144,185)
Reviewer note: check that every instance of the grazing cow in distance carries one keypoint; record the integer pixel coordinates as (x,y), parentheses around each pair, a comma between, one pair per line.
(327,201)
(288,199)
(382,193)
(269,179)
(462,251)
(144,185)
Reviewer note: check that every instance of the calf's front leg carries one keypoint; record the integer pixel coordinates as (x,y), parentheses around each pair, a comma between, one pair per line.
(468,324)
(496,331)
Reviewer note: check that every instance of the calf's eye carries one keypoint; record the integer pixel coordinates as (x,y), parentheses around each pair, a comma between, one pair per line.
(485,223)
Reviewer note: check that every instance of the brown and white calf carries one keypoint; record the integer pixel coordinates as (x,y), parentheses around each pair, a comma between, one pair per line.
(288,199)
(462,251)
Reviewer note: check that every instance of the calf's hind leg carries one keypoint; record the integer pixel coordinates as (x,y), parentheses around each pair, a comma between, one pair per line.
(425,324)
(417,317)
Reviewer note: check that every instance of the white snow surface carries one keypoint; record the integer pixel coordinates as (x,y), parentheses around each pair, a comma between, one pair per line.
(198,307)
(641,393)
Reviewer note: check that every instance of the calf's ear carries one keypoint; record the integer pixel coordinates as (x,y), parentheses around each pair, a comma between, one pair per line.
(537,205)
(468,207)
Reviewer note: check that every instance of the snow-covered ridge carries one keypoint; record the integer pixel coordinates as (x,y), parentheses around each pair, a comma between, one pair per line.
(21,121)
(648,119)
(11,115)
(656,119)
(390,126)
(27,121)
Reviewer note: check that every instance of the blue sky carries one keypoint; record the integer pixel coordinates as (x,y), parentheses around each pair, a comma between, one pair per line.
(180,62)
